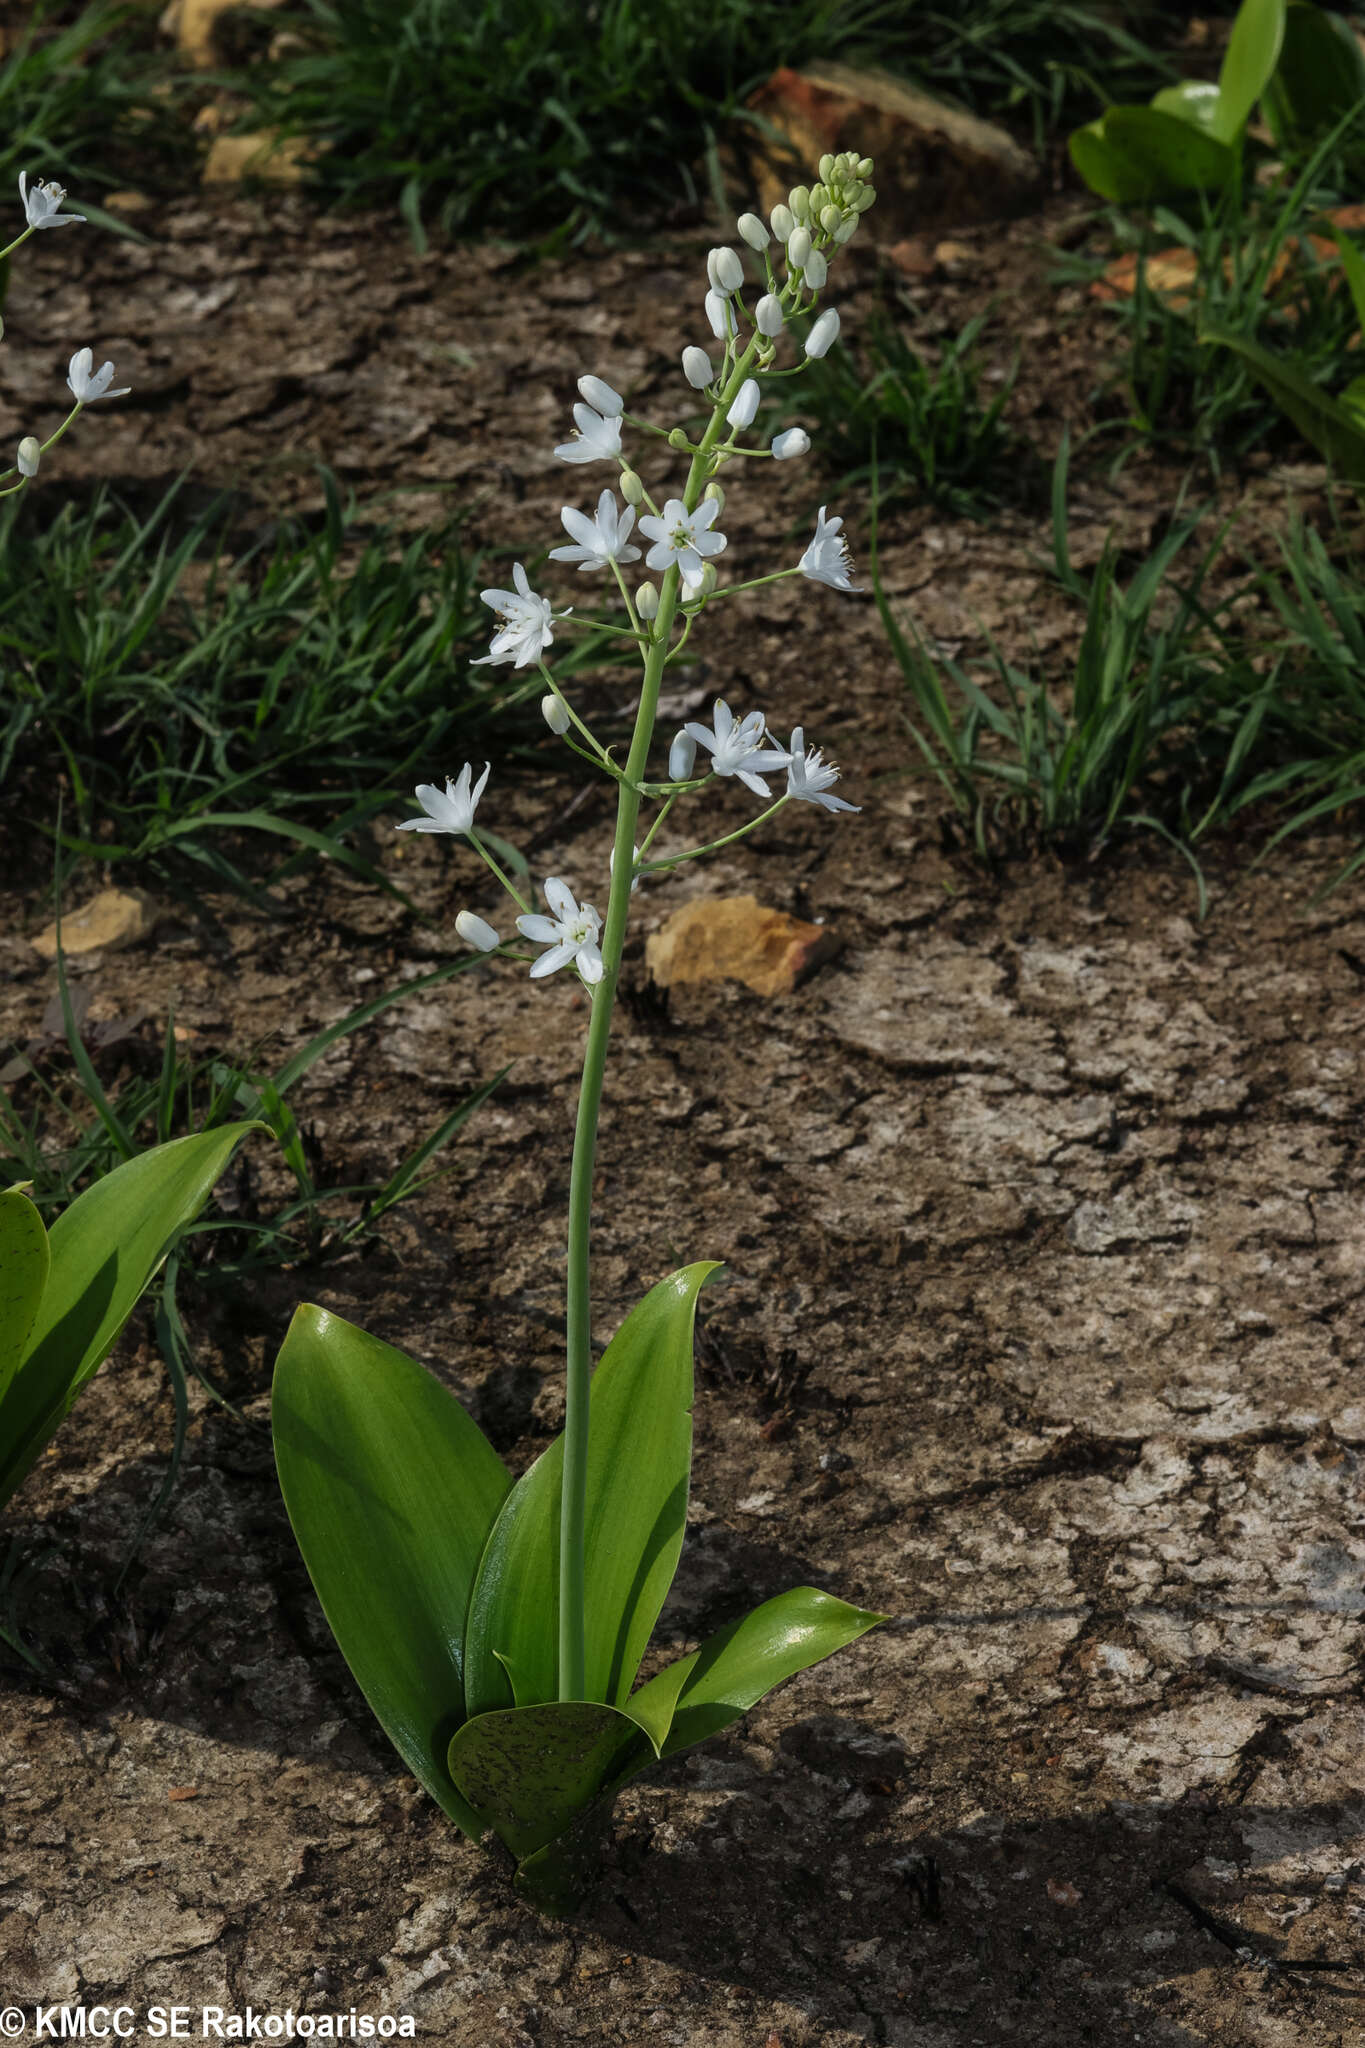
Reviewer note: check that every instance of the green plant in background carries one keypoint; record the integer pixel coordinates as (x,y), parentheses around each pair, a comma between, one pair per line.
(532,118)
(1304,66)
(497,1629)
(918,418)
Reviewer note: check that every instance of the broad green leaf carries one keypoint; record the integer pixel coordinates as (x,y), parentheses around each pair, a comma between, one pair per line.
(529,1772)
(23,1275)
(1132,155)
(1319,80)
(391,1490)
(1248,64)
(639,1463)
(104,1250)
(1194,100)
(1329,425)
(731,1672)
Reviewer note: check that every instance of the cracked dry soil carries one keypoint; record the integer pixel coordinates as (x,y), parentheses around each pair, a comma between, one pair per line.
(1042,1215)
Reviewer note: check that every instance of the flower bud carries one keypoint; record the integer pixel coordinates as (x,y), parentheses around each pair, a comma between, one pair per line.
(741,413)
(697,368)
(601,397)
(678,438)
(783,221)
(647,601)
(846,231)
(632,490)
(768,314)
(816,271)
(682,757)
(827,169)
(831,218)
(725,270)
(718,313)
(716,493)
(865,167)
(476,933)
(798,199)
(798,249)
(555,712)
(753,231)
(710,577)
(824,333)
(29,452)
(867,197)
(796,441)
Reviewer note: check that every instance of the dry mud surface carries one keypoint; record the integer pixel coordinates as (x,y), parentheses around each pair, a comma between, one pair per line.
(1040,1330)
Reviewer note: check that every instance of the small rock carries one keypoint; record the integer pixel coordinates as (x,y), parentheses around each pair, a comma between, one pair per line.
(936,166)
(232,158)
(733,938)
(113,919)
(194,23)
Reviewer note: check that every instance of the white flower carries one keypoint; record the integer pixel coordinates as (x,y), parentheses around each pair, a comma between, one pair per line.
(810,778)
(827,559)
(768,316)
(720,316)
(737,748)
(796,441)
(524,629)
(85,389)
(824,333)
(571,934)
(28,456)
(725,271)
(697,368)
(599,540)
(683,537)
(741,413)
(816,271)
(596,439)
(601,396)
(555,712)
(452,811)
(682,757)
(476,933)
(40,205)
(753,231)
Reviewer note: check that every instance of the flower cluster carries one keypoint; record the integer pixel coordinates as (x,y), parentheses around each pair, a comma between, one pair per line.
(683,545)
(42,205)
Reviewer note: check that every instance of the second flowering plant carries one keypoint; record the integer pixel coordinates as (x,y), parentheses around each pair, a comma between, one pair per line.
(498,1629)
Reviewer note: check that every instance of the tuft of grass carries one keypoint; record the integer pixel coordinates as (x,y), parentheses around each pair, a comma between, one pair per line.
(917,419)
(535,119)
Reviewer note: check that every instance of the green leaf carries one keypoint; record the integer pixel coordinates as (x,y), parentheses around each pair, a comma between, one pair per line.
(529,1772)
(391,1490)
(1249,63)
(1132,155)
(1330,426)
(104,1250)
(1319,80)
(639,1463)
(731,1672)
(1353,270)
(1195,100)
(23,1275)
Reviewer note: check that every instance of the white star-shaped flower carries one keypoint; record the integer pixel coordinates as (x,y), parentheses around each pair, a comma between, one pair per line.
(524,622)
(571,934)
(595,439)
(85,388)
(683,537)
(736,747)
(810,778)
(451,809)
(827,559)
(599,540)
(40,205)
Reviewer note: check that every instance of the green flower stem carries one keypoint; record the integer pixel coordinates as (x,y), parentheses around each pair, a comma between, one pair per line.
(674,860)
(54,438)
(733,589)
(18,239)
(507,883)
(578,1333)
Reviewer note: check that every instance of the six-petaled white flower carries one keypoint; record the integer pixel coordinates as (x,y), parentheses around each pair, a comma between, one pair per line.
(572,933)
(40,205)
(524,629)
(85,387)
(683,537)
(736,747)
(827,559)
(451,809)
(599,540)
(810,777)
(595,439)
